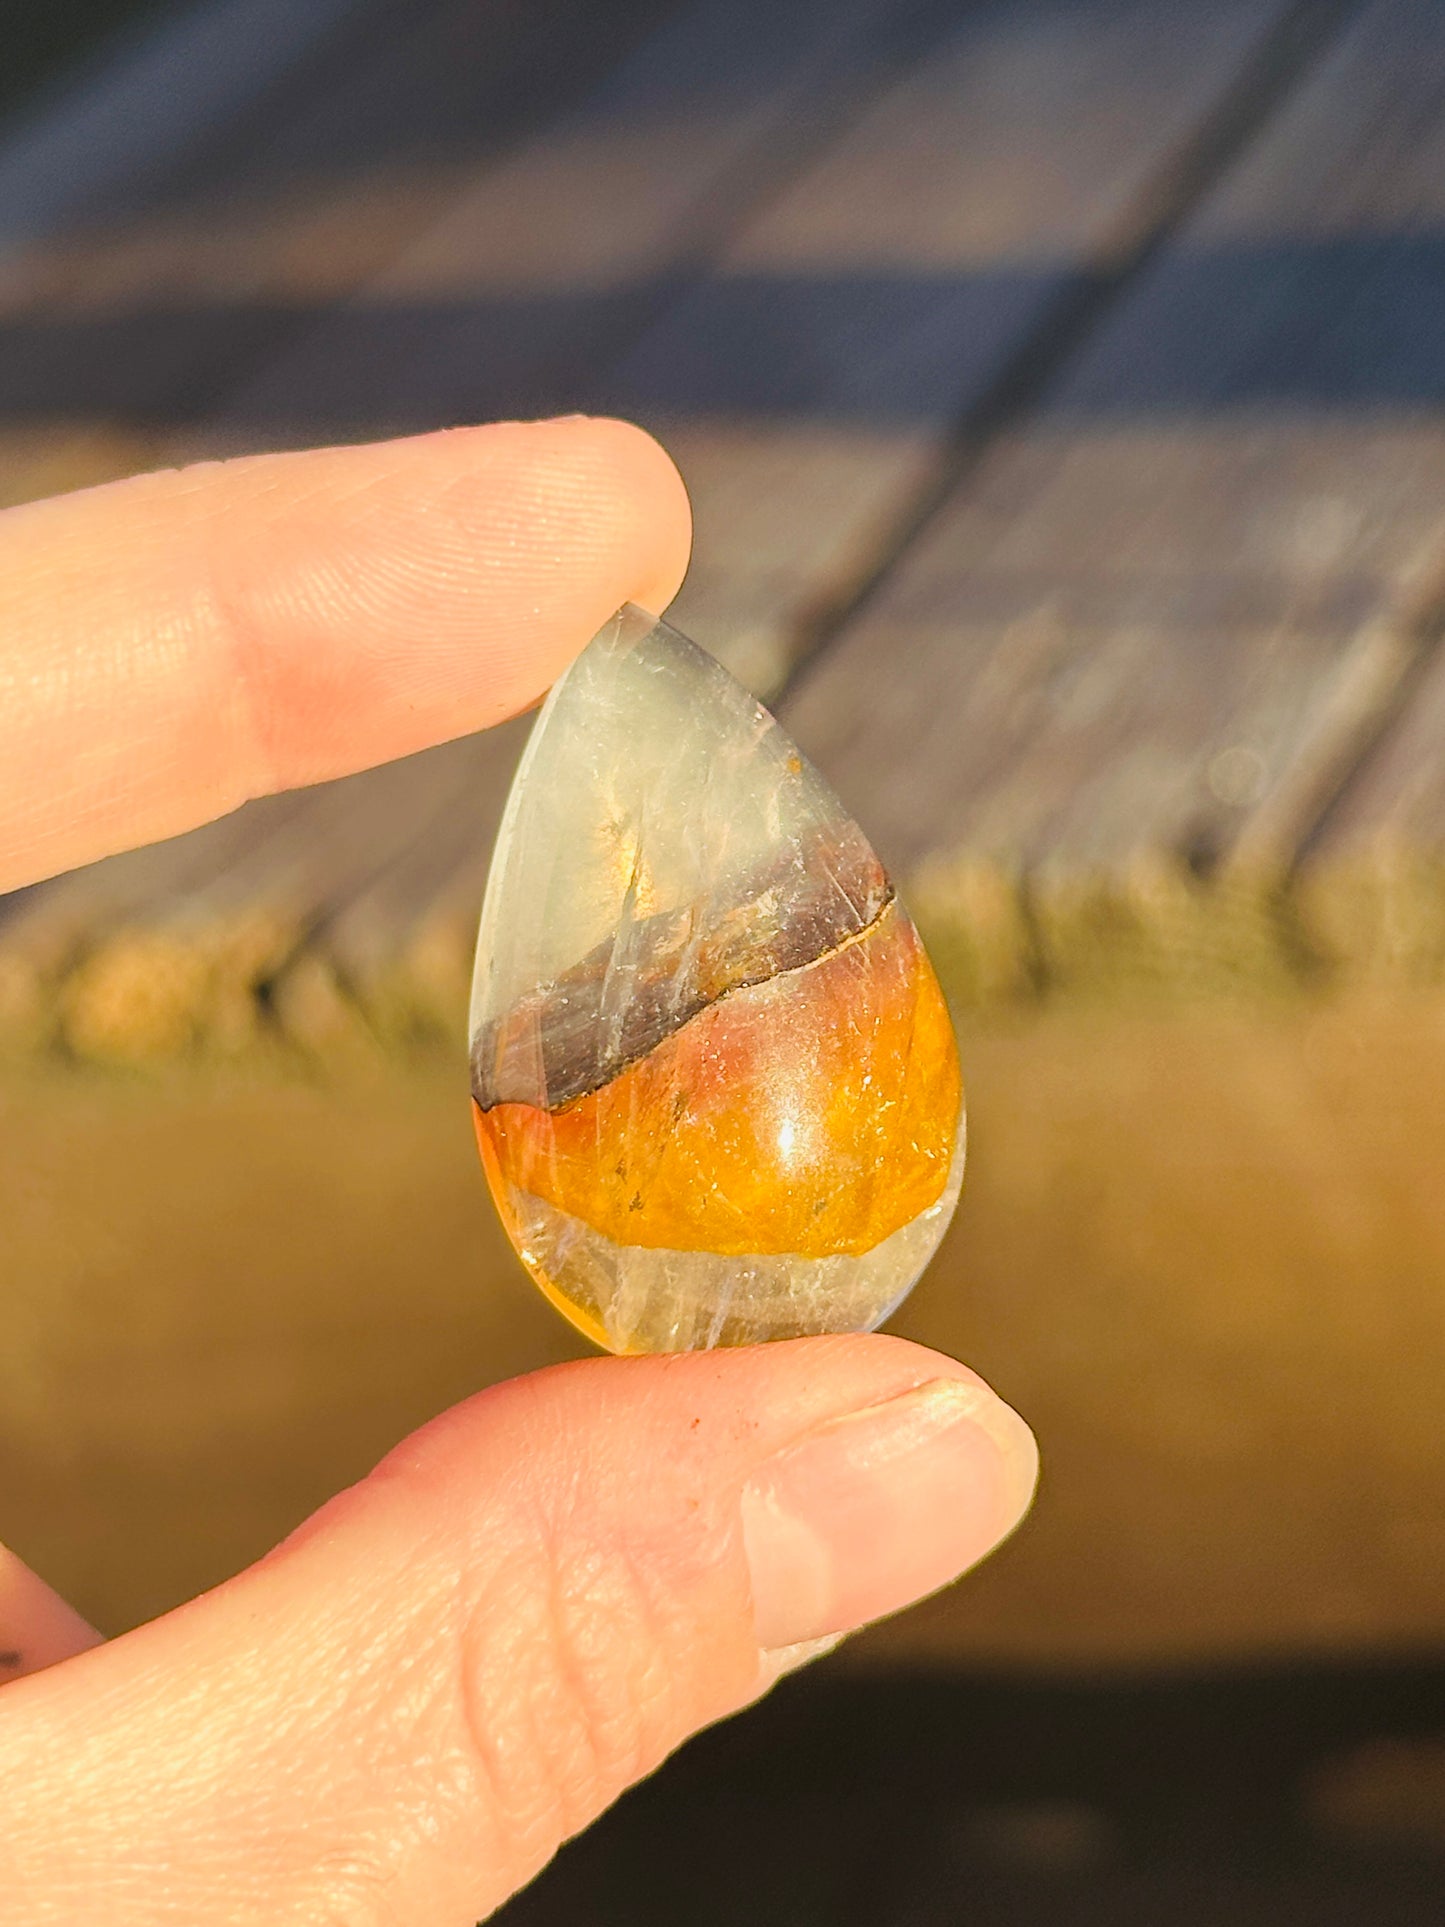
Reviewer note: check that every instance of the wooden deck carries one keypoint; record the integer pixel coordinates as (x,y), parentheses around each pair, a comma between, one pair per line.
(1059,386)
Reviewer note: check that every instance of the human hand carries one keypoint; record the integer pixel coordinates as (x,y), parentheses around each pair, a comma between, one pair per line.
(399,1714)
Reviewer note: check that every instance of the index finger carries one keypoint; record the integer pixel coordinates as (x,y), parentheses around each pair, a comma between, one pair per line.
(176,644)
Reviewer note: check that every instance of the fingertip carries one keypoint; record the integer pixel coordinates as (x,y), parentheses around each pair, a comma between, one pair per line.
(188,639)
(662,496)
(604,488)
(870,1511)
(413,590)
(640,499)
(185,640)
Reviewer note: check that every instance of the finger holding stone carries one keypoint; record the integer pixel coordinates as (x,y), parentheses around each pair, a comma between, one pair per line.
(180,642)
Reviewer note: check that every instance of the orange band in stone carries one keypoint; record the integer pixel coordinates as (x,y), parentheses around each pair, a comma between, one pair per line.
(815,1113)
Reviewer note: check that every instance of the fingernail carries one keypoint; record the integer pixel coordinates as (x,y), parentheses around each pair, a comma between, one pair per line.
(870,1511)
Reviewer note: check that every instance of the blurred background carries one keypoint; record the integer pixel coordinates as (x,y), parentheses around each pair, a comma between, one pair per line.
(1061,388)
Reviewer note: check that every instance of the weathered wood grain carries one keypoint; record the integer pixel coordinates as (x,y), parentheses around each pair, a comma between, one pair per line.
(1122,641)
(810,374)
(146,104)
(812,384)
(606,217)
(154,305)
(84,173)
(1396,800)
(522,290)
(1130,625)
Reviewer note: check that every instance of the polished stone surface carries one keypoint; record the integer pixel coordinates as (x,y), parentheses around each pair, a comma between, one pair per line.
(715,1085)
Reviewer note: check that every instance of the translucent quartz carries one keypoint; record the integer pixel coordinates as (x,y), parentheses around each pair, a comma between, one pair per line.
(715,1086)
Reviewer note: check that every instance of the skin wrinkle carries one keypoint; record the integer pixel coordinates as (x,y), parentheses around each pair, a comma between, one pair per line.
(526,1797)
(408,1730)
(507,1604)
(604,1748)
(257,773)
(627,1736)
(434,1760)
(418,1774)
(657,1683)
(605,1591)
(612,1725)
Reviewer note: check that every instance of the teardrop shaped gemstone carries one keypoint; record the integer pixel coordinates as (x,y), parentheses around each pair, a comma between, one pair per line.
(714,1080)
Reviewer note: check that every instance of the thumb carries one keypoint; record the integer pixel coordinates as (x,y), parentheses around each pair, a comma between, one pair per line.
(401,1712)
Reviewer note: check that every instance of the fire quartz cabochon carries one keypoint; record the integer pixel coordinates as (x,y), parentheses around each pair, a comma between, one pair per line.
(714,1080)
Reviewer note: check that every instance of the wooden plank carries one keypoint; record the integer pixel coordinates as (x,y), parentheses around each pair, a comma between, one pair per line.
(302,192)
(154,309)
(1370,885)
(1130,624)
(142,106)
(1392,802)
(516,298)
(1121,643)
(965,196)
(629,185)
(812,383)
(1076,104)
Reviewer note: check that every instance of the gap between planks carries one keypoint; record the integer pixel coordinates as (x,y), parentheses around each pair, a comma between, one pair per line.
(1383,671)
(1280,60)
